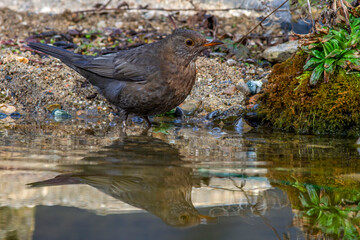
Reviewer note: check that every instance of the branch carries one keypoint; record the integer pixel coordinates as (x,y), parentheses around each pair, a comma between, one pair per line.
(346,15)
(163,9)
(245,36)
(105,5)
(311,16)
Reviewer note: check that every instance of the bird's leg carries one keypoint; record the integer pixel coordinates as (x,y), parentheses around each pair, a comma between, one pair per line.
(147,121)
(124,118)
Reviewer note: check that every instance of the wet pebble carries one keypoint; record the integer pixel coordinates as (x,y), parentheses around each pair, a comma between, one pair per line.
(15,115)
(178,112)
(60,115)
(3,115)
(137,119)
(212,115)
(241,126)
(112,124)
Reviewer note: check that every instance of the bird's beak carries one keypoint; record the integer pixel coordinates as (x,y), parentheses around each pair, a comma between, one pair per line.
(207,219)
(213,43)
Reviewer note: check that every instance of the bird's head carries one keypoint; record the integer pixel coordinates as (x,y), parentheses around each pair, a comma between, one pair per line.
(188,44)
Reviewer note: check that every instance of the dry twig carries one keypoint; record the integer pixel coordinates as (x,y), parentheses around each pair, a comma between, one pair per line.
(241,40)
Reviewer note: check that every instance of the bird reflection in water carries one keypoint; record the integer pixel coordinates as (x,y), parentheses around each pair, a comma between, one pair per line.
(144,172)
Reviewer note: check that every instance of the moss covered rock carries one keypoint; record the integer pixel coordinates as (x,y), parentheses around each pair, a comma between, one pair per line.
(291,103)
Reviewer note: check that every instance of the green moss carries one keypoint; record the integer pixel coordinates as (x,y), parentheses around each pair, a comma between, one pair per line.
(290,103)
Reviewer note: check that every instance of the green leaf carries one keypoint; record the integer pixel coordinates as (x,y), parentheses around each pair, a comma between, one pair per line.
(303,201)
(347,53)
(317,54)
(329,65)
(334,53)
(328,48)
(355,61)
(312,211)
(317,72)
(312,62)
(325,201)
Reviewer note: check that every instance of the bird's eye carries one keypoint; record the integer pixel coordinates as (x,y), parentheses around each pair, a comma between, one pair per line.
(189,42)
(184,218)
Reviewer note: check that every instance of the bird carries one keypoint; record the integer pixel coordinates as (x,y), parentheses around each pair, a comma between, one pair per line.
(131,171)
(147,80)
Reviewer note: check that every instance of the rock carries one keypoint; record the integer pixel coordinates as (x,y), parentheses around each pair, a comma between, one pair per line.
(52,107)
(230,90)
(231,62)
(281,52)
(190,107)
(7,109)
(243,87)
(7,77)
(254,86)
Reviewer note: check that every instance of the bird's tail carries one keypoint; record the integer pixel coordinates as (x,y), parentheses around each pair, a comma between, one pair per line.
(58,180)
(65,56)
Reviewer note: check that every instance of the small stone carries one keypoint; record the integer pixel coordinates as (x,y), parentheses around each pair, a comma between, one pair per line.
(3,115)
(80,112)
(7,109)
(101,24)
(217,54)
(231,62)
(230,90)
(190,107)
(254,86)
(15,115)
(52,107)
(7,77)
(251,71)
(243,87)
(23,60)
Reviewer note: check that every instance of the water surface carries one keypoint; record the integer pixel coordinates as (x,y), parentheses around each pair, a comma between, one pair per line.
(74,181)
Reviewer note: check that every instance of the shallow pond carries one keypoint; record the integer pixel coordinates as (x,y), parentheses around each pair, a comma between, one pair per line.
(74,181)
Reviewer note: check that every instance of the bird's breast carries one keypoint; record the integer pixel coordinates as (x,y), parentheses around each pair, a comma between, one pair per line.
(164,91)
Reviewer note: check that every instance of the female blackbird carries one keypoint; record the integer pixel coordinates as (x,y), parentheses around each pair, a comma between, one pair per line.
(147,80)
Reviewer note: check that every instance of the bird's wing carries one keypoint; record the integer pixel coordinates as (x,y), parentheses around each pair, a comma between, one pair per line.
(131,65)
